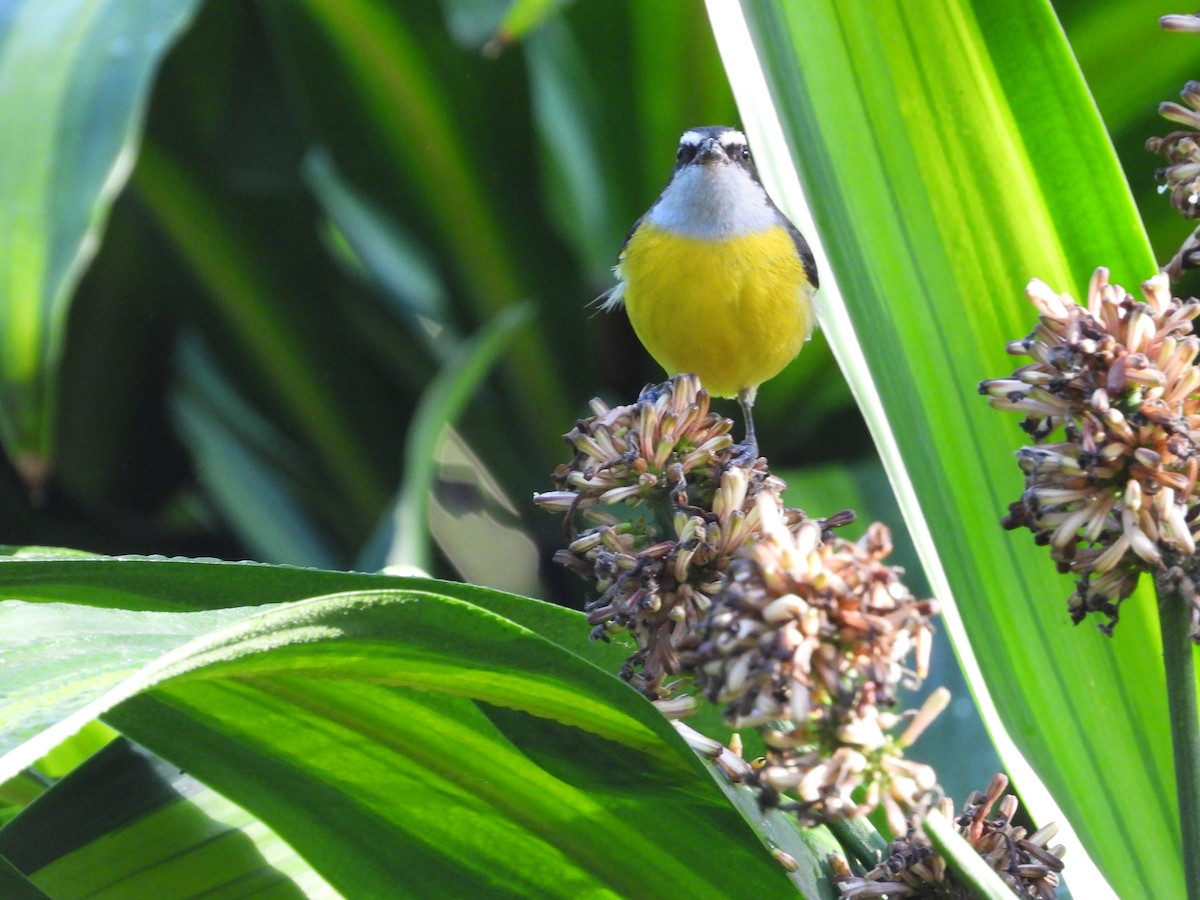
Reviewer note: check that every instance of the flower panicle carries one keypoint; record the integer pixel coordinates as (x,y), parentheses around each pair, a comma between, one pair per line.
(808,640)
(1109,400)
(794,631)
(655,510)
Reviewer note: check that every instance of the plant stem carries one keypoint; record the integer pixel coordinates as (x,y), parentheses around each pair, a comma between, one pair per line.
(1174,616)
(972,870)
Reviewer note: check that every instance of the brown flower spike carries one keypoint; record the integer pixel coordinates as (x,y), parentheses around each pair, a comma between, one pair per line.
(663,513)
(794,632)
(810,635)
(1110,402)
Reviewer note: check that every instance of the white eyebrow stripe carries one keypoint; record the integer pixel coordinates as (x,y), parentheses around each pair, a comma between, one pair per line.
(732,137)
(691,138)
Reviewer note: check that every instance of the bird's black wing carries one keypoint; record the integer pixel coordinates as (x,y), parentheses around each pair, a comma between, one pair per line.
(806,255)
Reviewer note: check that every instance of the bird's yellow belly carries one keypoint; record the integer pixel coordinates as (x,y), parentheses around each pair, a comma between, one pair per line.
(733,311)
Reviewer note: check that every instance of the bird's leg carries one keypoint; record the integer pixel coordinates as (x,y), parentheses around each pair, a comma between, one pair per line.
(747,450)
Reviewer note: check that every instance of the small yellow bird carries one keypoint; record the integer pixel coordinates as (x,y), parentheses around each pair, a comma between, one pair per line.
(715,279)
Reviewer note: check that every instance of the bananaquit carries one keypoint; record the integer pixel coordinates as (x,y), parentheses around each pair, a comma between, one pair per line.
(715,279)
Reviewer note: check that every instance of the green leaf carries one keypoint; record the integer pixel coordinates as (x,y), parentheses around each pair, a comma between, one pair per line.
(807,850)
(578,165)
(390,731)
(70,753)
(53,670)
(59,658)
(950,154)
(396,260)
(15,885)
(247,464)
(150,831)
(980,878)
(522,17)
(74,82)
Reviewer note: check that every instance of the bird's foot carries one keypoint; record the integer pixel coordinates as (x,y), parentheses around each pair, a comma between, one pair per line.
(745,454)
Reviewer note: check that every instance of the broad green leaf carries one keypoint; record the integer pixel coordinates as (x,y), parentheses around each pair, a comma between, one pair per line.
(128,825)
(60,657)
(56,678)
(70,753)
(74,80)
(950,153)
(21,790)
(385,732)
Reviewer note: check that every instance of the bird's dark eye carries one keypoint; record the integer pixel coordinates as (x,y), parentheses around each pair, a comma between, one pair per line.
(743,152)
(685,154)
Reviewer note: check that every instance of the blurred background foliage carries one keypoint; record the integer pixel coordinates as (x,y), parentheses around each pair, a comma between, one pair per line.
(348,285)
(329,199)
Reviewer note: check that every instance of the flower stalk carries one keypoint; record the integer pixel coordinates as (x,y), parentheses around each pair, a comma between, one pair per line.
(1175,621)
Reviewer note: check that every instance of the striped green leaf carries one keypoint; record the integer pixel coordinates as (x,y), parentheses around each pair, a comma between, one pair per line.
(950,152)
(150,831)
(406,737)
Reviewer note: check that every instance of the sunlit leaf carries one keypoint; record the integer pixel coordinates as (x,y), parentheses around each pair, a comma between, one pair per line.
(950,154)
(74,81)
(400,730)
(150,831)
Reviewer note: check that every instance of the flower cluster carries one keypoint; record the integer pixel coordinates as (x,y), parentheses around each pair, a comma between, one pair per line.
(794,631)
(1181,175)
(1026,863)
(809,634)
(1110,402)
(663,511)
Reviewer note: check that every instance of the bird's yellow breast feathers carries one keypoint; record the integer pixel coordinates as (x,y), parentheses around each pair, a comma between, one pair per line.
(733,310)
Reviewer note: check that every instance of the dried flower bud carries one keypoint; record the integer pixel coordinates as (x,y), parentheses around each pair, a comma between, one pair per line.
(1180,22)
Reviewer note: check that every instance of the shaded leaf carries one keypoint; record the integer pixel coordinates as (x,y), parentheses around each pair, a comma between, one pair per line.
(128,825)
